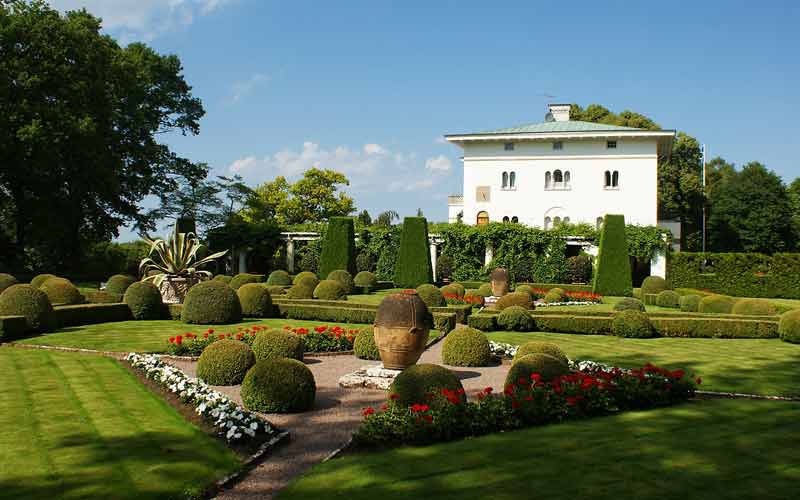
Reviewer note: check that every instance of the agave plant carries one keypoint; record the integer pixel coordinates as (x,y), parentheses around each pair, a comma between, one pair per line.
(176,257)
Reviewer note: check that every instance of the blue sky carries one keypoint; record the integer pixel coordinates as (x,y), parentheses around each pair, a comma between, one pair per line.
(369,88)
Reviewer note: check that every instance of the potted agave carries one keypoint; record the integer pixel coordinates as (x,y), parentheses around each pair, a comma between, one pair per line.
(172,265)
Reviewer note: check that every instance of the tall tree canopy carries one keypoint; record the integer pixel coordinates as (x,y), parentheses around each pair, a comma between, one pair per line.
(80,119)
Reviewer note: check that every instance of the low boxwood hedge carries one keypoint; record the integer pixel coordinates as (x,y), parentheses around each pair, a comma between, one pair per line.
(588,325)
(444,322)
(364,346)
(335,314)
(716,304)
(462,311)
(466,347)
(31,303)
(174,311)
(690,303)
(632,324)
(102,297)
(629,304)
(516,319)
(668,299)
(564,286)
(754,307)
(89,314)
(521,299)
(279,385)
(483,322)
(723,328)
(431,295)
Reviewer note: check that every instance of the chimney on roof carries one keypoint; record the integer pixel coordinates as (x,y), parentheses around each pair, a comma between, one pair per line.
(559,112)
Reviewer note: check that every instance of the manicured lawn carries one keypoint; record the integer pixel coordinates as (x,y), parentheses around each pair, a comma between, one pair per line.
(754,366)
(372,298)
(82,426)
(722,449)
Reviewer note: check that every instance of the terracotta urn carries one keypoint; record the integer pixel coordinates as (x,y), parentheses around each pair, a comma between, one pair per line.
(499,282)
(173,290)
(402,326)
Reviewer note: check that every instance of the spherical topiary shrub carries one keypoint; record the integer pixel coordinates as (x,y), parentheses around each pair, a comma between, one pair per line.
(536,347)
(718,304)
(485,289)
(525,289)
(305,275)
(521,299)
(632,324)
(25,300)
(6,280)
(454,290)
(431,295)
(276,290)
(668,298)
(690,303)
(559,291)
(754,307)
(516,319)
(330,290)
(255,300)
(466,347)
(548,367)
(366,280)
(225,362)
(119,283)
(211,303)
(144,300)
(629,304)
(308,281)
(243,279)
(223,278)
(278,343)
(279,385)
(364,346)
(61,291)
(279,277)
(413,383)
(343,278)
(789,326)
(39,279)
(301,291)
(653,285)
(553,296)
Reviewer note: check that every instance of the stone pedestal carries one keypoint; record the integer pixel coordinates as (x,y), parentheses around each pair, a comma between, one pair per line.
(490,301)
(369,377)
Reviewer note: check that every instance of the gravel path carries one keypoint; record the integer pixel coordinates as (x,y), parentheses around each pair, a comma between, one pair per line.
(318,433)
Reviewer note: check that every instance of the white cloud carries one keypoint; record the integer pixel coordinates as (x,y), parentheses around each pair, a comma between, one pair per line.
(440,140)
(440,163)
(374,149)
(243,164)
(246,87)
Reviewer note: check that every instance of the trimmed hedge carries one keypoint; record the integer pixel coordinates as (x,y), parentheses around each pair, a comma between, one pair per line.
(553,296)
(716,304)
(39,279)
(61,291)
(330,290)
(632,324)
(690,303)
(629,304)
(564,286)
(335,314)
(278,290)
(119,283)
(413,266)
(344,278)
(304,275)
(6,280)
(277,343)
(466,347)
(789,327)
(613,273)
(338,247)
(483,322)
(279,277)
(474,298)
(279,386)
(584,325)
(255,300)
(485,289)
(245,278)
(223,278)
(301,291)
(536,347)
(144,300)
(754,307)
(456,289)
(548,368)
(211,303)
(520,299)
(462,311)
(668,299)
(12,327)
(650,299)
(225,362)
(431,295)
(102,297)
(722,328)
(413,383)
(526,289)
(31,303)
(654,285)
(366,281)
(444,322)
(308,281)
(364,346)
(516,319)
(89,314)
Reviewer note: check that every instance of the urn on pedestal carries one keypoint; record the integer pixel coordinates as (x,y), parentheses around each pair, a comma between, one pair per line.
(499,282)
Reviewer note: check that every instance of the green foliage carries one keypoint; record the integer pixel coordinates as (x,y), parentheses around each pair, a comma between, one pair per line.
(365,262)
(613,273)
(474,298)
(256,301)
(690,303)
(12,327)
(668,298)
(225,362)
(338,247)
(444,267)
(653,285)
(789,326)
(413,266)
(714,327)
(366,281)
(579,269)
(548,367)
(279,290)
(483,322)
(337,314)
(485,290)
(521,299)
(413,383)
(330,290)
(276,343)
(301,291)
(344,278)
(466,347)
(716,304)
(211,303)
(88,314)
(279,385)
(279,277)
(364,346)
(305,276)
(30,302)
(754,307)
(525,289)
(6,280)
(632,324)
(553,296)
(119,283)
(454,289)
(536,347)
(244,278)
(179,256)
(516,319)
(144,301)
(574,323)
(60,291)
(223,278)
(444,322)
(39,279)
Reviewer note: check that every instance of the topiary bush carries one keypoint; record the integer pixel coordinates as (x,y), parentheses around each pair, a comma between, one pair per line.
(413,266)
(330,290)
(364,346)
(308,281)
(514,299)
(613,272)
(6,280)
(277,290)
(413,383)
(516,319)
(475,298)
(243,279)
(279,277)
(279,386)
(632,324)
(431,295)
(30,302)
(524,289)
(119,283)
(654,285)
(225,362)
(536,347)
(789,326)
(552,297)
(39,279)
(255,300)
(754,307)
(301,291)
(548,368)
(455,289)
(304,276)
(690,303)
(466,347)
(629,304)
(276,343)
(343,278)
(338,247)
(144,300)
(60,291)
(211,303)
(668,298)
(485,289)
(719,304)
(223,278)
(445,266)
(366,281)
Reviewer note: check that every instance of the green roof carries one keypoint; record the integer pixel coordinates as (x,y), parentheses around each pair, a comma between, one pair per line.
(567,126)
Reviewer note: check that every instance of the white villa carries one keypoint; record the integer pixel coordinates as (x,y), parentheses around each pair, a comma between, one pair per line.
(560,171)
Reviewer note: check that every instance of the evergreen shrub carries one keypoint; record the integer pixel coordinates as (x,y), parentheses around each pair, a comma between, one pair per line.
(300,291)
(537,347)
(653,284)
(225,362)
(279,277)
(789,326)
(413,383)
(330,290)
(366,281)
(256,300)
(716,304)
(6,280)
(364,346)
(516,319)
(60,291)
(279,385)
(277,343)
(466,347)
(144,300)
(632,324)
(431,295)
(344,278)
(211,303)
(39,279)
(613,273)
(338,248)
(690,303)
(31,303)
(514,299)
(223,278)
(413,266)
(629,304)
(548,368)
(668,298)
(754,307)
(243,279)
(119,283)
(278,290)
(304,274)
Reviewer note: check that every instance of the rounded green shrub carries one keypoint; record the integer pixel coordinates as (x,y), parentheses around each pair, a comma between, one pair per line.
(300,291)
(514,299)
(144,300)
(279,277)
(548,367)
(304,276)
(632,324)
(789,326)
(466,347)
(475,298)
(61,291)
(668,298)
(119,283)
(454,289)
(225,362)
(559,291)
(366,280)
(25,300)
(515,319)
(277,343)
(364,346)
(754,307)
(308,281)
(211,303)
(243,279)
(279,385)
(718,304)
(276,290)
(653,285)
(537,347)
(690,303)
(552,297)
(6,280)
(39,279)
(223,278)
(413,383)
(431,295)
(485,289)
(629,304)
(330,290)
(255,300)
(525,289)
(343,278)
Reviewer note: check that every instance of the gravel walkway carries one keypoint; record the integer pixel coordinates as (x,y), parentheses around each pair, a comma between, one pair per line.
(318,433)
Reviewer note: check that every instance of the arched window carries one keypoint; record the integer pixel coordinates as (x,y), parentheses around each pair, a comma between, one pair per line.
(607,182)
(505,218)
(515,219)
(547,222)
(556,221)
(599,222)
(483,218)
(512,180)
(566,179)
(615,179)
(558,178)
(547,180)
(505,180)
(566,220)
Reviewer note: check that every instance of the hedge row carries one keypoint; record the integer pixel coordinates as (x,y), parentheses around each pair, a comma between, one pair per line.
(88,314)
(12,327)
(656,314)
(462,311)
(563,286)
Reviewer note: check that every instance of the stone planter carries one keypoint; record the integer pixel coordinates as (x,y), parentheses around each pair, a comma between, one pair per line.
(173,290)
(499,282)
(402,326)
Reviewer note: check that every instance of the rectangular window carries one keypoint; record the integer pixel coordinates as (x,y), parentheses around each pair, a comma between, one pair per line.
(509,146)
(611,144)
(558,146)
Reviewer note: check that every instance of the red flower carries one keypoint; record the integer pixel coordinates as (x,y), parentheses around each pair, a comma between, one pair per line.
(698,380)
(393,396)
(221,336)
(515,404)
(536,378)
(210,331)
(384,407)
(427,418)
(178,340)
(410,291)
(488,390)
(320,329)
(171,340)
(368,411)
(418,408)
(205,335)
